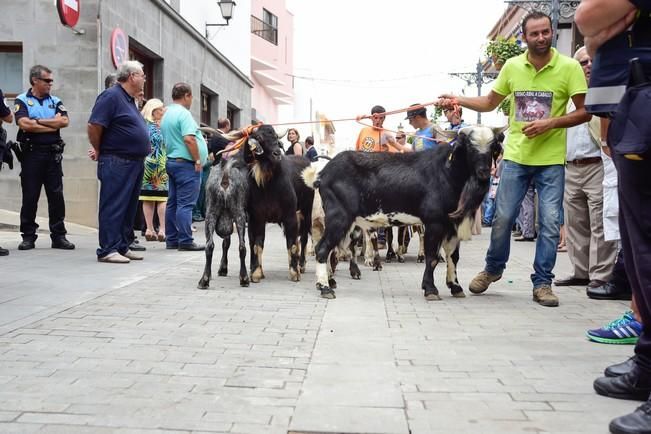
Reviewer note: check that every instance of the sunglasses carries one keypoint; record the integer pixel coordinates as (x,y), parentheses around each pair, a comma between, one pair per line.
(47,80)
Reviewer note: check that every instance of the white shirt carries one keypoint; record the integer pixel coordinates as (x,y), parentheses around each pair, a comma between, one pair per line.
(580,144)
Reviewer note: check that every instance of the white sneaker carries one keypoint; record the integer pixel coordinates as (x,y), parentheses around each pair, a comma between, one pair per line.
(114,258)
(133,256)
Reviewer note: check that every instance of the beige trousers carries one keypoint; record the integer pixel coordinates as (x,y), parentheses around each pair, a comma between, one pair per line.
(592,257)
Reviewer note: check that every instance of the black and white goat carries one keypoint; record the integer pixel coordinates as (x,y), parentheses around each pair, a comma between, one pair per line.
(440,188)
(227,193)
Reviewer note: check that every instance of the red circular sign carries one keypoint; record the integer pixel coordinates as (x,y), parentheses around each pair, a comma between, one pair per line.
(119,47)
(68,12)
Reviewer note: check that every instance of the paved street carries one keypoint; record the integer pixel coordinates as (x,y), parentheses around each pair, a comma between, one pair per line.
(101,348)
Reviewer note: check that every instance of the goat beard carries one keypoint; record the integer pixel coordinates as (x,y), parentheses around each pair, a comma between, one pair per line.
(472,195)
(260,173)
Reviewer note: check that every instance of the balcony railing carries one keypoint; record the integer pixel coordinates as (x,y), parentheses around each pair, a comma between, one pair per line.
(265,30)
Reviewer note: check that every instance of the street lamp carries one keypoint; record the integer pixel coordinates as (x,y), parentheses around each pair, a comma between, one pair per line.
(226,8)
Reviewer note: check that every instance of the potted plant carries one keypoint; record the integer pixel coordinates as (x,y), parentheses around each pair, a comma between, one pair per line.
(501,49)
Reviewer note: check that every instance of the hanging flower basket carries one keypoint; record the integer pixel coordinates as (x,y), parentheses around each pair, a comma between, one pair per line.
(501,49)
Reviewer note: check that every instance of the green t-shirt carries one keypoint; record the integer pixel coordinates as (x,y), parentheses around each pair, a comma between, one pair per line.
(177,123)
(538,95)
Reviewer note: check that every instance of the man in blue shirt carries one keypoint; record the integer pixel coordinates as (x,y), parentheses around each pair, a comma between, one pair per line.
(424,138)
(119,136)
(186,154)
(40,116)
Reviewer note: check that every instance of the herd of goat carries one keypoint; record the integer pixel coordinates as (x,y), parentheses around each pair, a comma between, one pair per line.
(439,189)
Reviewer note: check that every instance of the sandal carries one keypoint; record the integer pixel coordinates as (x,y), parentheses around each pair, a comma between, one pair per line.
(561,248)
(161,237)
(150,236)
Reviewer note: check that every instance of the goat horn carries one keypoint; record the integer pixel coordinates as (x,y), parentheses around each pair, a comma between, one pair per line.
(280,136)
(208,130)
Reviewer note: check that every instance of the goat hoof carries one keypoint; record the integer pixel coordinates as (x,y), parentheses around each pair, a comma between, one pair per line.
(332,283)
(356,275)
(401,259)
(432,296)
(302,269)
(390,256)
(420,259)
(203,283)
(244,281)
(294,276)
(257,275)
(222,272)
(456,290)
(330,294)
(377,267)
(458,294)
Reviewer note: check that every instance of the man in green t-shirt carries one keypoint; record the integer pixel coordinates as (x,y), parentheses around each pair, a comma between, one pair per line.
(186,154)
(539,83)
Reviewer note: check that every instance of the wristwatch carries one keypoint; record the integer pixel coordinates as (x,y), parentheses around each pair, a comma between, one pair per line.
(197,162)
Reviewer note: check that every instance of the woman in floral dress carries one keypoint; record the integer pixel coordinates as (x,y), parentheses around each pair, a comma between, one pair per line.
(153,193)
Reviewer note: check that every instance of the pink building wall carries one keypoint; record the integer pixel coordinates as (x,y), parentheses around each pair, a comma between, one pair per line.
(272,65)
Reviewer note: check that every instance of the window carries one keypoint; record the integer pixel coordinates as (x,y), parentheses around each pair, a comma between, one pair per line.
(233,115)
(208,107)
(11,69)
(267,27)
(152,66)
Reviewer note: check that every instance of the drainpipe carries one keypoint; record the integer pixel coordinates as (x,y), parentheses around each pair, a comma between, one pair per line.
(100,85)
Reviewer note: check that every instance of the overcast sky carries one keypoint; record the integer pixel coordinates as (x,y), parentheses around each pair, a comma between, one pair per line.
(394,53)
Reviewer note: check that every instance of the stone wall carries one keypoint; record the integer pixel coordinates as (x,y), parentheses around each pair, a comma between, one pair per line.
(74,59)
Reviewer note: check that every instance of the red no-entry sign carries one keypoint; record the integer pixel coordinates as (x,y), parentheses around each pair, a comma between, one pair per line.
(68,12)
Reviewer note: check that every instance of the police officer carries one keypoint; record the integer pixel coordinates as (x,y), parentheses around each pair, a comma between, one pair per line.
(5,116)
(618,31)
(40,116)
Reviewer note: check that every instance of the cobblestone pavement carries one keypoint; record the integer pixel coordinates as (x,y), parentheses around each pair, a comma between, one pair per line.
(101,348)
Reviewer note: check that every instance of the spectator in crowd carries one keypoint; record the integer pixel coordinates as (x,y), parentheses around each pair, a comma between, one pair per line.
(591,255)
(455,119)
(218,142)
(40,116)
(120,140)
(527,216)
(153,193)
(615,32)
(535,151)
(186,154)
(295,146)
(311,152)
(5,116)
(424,137)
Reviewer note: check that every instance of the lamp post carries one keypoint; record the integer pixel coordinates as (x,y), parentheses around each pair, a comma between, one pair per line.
(479,77)
(556,9)
(226,8)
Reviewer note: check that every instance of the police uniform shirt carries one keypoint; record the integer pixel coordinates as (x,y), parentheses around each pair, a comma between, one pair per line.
(609,75)
(29,106)
(4,110)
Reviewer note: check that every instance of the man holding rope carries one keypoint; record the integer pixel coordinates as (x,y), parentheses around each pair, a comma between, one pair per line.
(541,81)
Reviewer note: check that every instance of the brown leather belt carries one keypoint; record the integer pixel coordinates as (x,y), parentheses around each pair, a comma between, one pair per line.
(584,161)
(183,160)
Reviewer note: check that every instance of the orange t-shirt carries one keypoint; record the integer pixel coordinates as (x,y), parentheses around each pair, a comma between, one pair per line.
(371,139)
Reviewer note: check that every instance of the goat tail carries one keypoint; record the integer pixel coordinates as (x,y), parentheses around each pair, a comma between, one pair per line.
(310,177)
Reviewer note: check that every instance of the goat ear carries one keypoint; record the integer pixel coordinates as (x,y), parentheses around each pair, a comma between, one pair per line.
(499,132)
(255,147)
(441,135)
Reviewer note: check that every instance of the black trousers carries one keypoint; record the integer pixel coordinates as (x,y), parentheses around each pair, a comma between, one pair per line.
(41,168)
(635,228)
(619,277)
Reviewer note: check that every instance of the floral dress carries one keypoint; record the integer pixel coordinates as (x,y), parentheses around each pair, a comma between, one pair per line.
(154,181)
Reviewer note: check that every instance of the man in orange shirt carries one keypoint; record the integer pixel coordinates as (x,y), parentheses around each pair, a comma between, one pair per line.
(375,138)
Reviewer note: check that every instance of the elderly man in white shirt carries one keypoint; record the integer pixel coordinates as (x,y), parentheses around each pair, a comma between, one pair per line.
(591,255)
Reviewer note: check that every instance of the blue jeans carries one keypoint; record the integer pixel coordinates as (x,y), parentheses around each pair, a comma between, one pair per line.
(549,181)
(183,192)
(489,210)
(121,180)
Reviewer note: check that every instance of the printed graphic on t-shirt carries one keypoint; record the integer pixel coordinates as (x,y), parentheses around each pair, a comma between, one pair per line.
(532,105)
(368,144)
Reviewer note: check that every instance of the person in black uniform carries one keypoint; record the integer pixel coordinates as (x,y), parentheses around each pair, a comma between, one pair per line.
(618,31)
(40,116)
(5,116)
